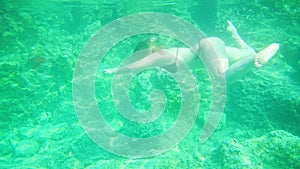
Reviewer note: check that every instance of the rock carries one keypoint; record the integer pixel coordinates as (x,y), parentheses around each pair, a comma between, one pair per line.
(26,148)
(266,99)
(106,164)
(231,154)
(50,131)
(5,147)
(292,53)
(276,149)
(235,155)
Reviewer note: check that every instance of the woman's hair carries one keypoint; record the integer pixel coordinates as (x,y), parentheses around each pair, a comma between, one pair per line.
(153,43)
(150,43)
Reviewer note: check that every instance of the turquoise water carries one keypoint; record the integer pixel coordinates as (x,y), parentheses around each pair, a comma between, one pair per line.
(41,42)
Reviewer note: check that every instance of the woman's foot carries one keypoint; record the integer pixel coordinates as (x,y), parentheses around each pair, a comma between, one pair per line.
(231,28)
(234,33)
(110,71)
(266,54)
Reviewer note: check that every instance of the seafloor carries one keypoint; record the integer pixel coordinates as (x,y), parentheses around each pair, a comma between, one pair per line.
(39,45)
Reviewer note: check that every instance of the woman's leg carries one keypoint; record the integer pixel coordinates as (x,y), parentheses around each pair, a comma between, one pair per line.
(239,68)
(234,33)
(158,59)
(245,58)
(212,53)
(245,64)
(212,47)
(244,50)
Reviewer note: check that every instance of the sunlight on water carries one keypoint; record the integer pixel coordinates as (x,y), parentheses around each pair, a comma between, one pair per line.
(44,43)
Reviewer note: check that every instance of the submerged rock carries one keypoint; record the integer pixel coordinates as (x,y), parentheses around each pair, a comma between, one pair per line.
(266,99)
(5,147)
(231,154)
(235,155)
(276,149)
(26,148)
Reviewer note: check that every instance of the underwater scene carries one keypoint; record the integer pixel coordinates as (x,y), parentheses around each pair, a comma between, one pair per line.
(123,84)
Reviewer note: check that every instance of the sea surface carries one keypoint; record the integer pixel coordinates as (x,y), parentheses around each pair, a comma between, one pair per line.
(59,109)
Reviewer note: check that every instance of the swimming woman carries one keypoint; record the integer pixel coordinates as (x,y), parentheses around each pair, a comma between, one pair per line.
(234,61)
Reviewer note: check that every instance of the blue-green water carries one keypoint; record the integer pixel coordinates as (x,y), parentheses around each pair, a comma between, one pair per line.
(39,47)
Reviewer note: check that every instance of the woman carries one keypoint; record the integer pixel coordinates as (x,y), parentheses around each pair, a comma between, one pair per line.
(234,61)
